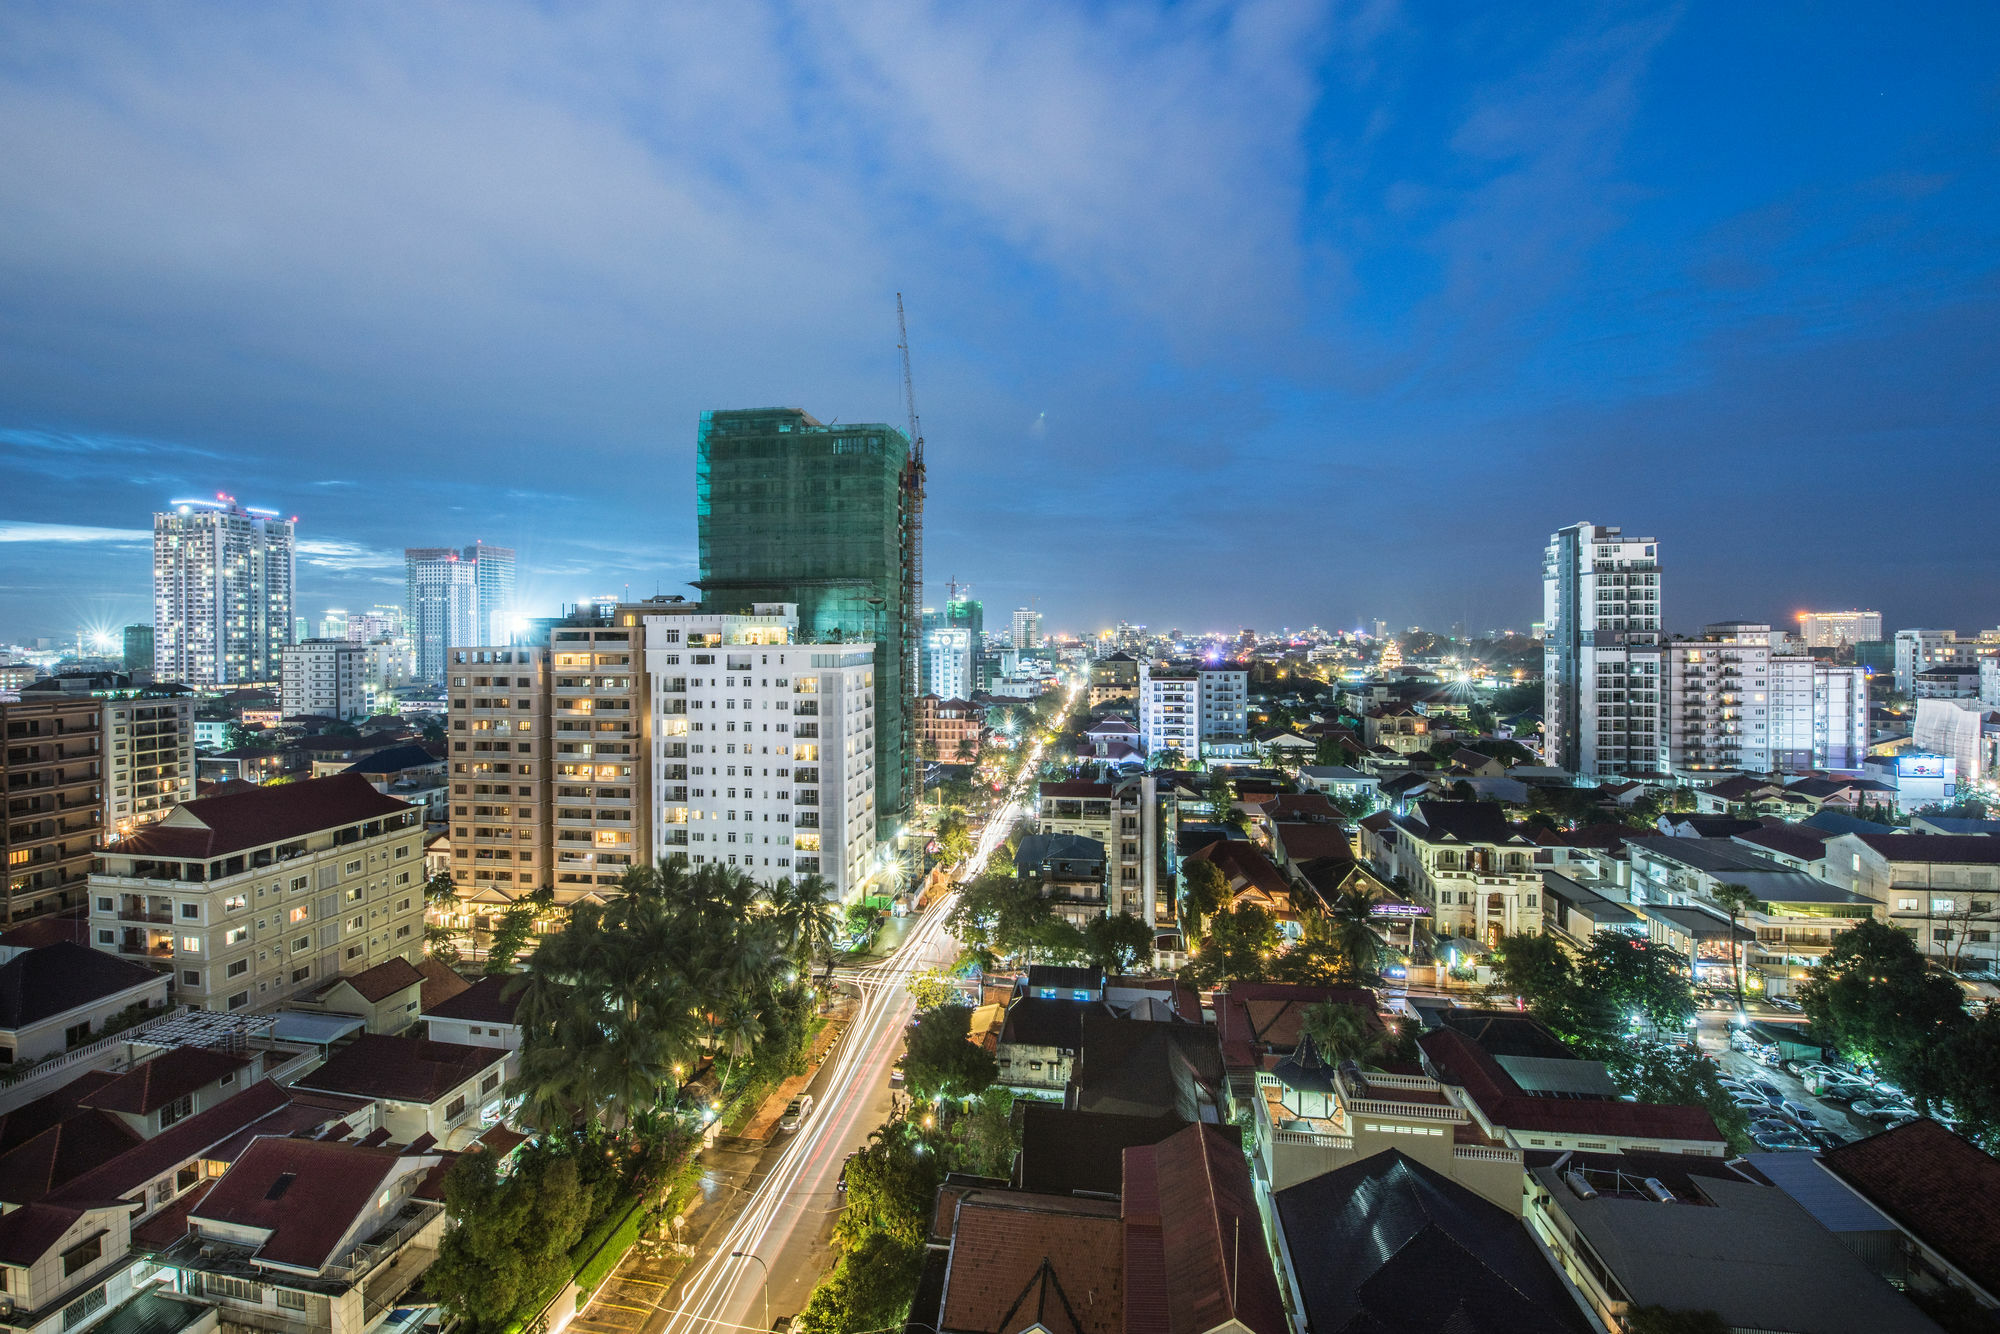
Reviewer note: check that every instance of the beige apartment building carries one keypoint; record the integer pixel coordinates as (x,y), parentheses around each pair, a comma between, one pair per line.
(549,753)
(51,770)
(255,896)
(148,759)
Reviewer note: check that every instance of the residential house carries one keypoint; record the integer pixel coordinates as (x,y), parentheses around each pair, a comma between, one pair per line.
(1070,870)
(1698,1234)
(1528,1091)
(1039,1040)
(1342,783)
(1464,861)
(1251,878)
(60,997)
(1396,727)
(482,1015)
(1938,889)
(1140,1067)
(1259,1023)
(1389,1242)
(440,1089)
(386,997)
(1796,917)
(1943,1195)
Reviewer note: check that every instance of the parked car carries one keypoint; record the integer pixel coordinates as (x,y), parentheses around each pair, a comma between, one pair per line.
(1884,1112)
(1839,1090)
(1799,1112)
(1827,1139)
(1787,1004)
(1788,1141)
(1750,1103)
(796,1112)
(1765,1089)
(1771,1125)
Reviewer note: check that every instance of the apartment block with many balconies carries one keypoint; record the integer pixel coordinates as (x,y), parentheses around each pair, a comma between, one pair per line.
(51,768)
(499,730)
(252,897)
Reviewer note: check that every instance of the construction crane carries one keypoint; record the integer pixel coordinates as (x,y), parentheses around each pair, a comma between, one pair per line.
(913,560)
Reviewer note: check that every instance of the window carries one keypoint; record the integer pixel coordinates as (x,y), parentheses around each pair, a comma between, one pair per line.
(289,1300)
(235,935)
(352,868)
(190,944)
(237,969)
(298,883)
(301,974)
(455,1108)
(491,1082)
(191,910)
(191,977)
(302,943)
(235,901)
(1908,905)
(238,1001)
(76,1034)
(178,1110)
(355,924)
(83,1308)
(300,913)
(1944,905)
(104,905)
(106,938)
(353,952)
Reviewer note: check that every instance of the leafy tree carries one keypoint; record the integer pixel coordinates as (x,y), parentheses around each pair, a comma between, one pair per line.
(439,891)
(984,1136)
(805,913)
(1636,976)
(954,838)
(1117,942)
(941,1061)
(892,1185)
(1970,1064)
(441,943)
(1875,998)
(1654,1072)
(1351,923)
(931,988)
(1345,1032)
(869,1288)
(508,1244)
(1534,967)
(1204,890)
(1238,948)
(510,937)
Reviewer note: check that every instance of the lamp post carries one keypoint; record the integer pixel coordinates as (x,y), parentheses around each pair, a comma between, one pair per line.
(745,1255)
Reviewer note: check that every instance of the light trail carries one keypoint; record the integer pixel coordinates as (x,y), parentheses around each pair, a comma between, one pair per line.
(724,1291)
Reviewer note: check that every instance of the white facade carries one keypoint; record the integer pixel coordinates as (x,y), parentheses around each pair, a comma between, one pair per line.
(149,770)
(1839,629)
(948,662)
(1601,676)
(223,579)
(1960,729)
(1989,682)
(1819,714)
(328,678)
(1027,628)
(1718,692)
(773,741)
(1919,649)
(1225,703)
(1169,710)
(443,606)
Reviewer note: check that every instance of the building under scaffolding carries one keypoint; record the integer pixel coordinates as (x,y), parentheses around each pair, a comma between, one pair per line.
(793,510)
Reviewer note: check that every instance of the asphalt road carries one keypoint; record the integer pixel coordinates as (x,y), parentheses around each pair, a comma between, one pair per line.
(788,1207)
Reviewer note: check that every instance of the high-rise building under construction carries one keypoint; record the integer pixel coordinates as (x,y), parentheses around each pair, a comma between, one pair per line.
(793,510)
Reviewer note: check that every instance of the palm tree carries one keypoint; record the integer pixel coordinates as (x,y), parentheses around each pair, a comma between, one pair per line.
(1351,917)
(807,915)
(1737,899)
(742,1025)
(1343,1032)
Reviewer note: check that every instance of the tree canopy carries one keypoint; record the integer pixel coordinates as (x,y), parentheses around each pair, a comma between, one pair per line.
(941,1061)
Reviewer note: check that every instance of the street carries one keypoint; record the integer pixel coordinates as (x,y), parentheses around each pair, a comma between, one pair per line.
(775,1250)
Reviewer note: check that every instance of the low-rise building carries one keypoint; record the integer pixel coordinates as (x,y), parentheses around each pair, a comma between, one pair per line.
(1938,889)
(1070,870)
(440,1089)
(385,998)
(61,996)
(1943,1195)
(256,896)
(1464,861)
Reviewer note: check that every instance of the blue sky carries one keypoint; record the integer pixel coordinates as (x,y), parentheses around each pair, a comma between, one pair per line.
(1222,315)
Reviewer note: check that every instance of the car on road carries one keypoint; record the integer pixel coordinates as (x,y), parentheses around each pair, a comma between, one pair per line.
(796,1112)
(896,1070)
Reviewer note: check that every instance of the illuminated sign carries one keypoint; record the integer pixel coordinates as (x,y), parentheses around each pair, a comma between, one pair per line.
(1921,766)
(1398,910)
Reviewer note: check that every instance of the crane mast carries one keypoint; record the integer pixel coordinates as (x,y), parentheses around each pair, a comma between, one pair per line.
(913,560)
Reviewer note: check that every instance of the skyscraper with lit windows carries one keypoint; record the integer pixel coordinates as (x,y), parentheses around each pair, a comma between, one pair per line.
(223,581)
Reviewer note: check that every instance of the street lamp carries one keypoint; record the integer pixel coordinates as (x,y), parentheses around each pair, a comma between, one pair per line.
(745,1255)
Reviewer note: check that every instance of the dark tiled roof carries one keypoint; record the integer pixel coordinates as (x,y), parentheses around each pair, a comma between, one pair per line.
(1035,1022)
(1073,789)
(148,1160)
(1462,822)
(1389,1244)
(55,979)
(1146,1067)
(33,935)
(385,979)
(305,1193)
(1305,842)
(1064,1151)
(26,1234)
(406,1069)
(215,826)
(1245,862)
(1936,1186)
(1963,849)
(484,1002)
(1740,788)
(1791,840)
(44,1163)
(1252,1018)
(172,1074)
(393,760)
(1066,976)
(1187,1203)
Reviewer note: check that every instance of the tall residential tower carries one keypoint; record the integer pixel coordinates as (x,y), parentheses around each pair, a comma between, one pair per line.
(223,576)
(456,598)
(1601,653)
(791,510)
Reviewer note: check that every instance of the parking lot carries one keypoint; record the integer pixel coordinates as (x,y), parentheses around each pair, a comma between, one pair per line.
(1833,1116)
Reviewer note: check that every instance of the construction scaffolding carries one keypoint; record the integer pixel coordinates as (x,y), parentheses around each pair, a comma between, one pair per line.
(789,509)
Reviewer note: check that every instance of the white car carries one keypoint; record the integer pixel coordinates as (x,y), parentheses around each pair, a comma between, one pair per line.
(797,1112)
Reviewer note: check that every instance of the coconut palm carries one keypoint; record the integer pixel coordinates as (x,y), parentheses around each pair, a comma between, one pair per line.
(1351,918)
(1737,899)
(738,1032)
(1343,1032)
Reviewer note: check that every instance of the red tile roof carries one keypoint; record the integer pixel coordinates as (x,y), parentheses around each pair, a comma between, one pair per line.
(151,1159)
(215,826)
(1303,842)
(169,1225)
(484,1002)
(385,979)
(1188,1207)
(172,1074)
(43,1164)
(406,1069)
(305,1193)
(1019,1258)
(1244,866)
(1254,1017)
(1964,849)
(1458,1060)
(1937,1187)
(440,984)
(26,1234)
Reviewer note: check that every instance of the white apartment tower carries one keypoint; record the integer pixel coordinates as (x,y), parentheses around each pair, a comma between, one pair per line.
(223,578)
(948,672)
(1027,628)
(1601,651)
(1819,714)
(1170,710)
(1225,702)
(1920,650)
(763,748)
(329,678)
(1718,693)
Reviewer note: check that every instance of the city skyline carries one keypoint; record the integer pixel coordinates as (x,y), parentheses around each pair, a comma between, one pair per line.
(1507,271)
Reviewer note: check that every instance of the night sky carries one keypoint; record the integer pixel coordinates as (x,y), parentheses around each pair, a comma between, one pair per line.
(1222,316)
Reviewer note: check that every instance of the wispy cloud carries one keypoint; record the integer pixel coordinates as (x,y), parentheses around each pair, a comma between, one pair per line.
(330,554)
(13,531)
